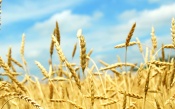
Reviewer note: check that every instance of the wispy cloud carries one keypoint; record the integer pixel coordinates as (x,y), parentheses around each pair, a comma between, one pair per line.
(32,10)
(160,18)
(161,1)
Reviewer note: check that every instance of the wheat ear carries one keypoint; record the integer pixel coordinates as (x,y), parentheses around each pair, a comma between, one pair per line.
(22,54)
(117,65)
(74,50)
(71,69)
(57,33)
(83,52)
(29,100)
(51,48)
(139,45)
(50,90)
(68,101)
(124,45)
(130,34)
(9,57)
(112,69)
(173,31)
(154,40)
(124,100)
(131,95)
(146,86)
(58,48)
(16,62)
(170,46)
(43,70)
(128,40)
(163,53)
(8,94)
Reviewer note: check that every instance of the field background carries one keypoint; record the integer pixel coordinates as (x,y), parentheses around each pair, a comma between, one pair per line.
(116,54)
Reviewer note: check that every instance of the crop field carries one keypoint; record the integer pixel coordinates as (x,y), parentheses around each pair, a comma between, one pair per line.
(148,85)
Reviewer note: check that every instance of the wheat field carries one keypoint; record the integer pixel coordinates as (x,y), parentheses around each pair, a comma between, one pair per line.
(85,86)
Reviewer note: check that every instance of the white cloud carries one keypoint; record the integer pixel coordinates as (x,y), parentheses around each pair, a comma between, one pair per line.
(108,36)
(159,18)
(31,10)
(98,15)
(161,1)
(68,22)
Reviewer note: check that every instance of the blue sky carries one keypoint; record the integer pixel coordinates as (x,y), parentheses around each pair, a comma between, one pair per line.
(105,23)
